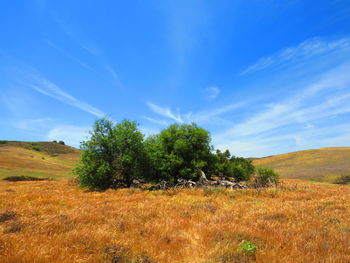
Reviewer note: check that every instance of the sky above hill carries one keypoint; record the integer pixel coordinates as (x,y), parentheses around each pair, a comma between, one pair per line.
(264,77)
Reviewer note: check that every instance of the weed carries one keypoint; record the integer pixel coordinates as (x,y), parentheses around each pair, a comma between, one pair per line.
(208,191)
(247,247)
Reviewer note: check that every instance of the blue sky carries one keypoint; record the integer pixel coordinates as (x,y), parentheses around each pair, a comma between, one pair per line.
(263,76)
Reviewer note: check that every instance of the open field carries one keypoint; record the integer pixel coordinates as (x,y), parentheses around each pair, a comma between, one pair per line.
(54,221)
(43,159)
(325,164)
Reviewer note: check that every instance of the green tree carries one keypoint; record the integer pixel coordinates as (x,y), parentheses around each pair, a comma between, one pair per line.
(239,168)
(112,153)
(180,151)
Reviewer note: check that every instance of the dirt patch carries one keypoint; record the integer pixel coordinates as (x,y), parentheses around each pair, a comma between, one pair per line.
(13,228)
(7,215)
(118,254)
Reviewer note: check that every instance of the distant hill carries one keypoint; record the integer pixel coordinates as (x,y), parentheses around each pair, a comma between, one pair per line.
(325,164)
(42,159)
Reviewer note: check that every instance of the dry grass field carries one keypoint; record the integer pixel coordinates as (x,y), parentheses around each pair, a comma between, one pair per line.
(325,164)
(55,221)
(43,159)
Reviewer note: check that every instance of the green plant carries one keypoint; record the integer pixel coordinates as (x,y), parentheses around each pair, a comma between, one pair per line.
(3,142)
(264,177)
(113,153)
(225,165)
(180,151)
(36,148)
(343,179)
(247,247)
(61,142)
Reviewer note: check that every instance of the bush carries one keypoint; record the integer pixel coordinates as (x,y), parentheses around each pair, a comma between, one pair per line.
(3,142)
(35,147)
(61,142)
(265,177)
(343,179)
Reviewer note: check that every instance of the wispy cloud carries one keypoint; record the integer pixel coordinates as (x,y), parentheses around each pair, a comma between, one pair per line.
(264,131)
(115,77)
(78,37)
(165,112)
(212,92)
(157,121)
(50,89)
(71,135)
(208,115)
(31,124)
(50,43)
(306,50)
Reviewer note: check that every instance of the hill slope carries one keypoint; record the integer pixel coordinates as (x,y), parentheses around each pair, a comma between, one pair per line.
(43,159)
(325,164)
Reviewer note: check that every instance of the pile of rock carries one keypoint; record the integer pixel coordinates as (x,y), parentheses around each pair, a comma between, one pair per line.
(183,183)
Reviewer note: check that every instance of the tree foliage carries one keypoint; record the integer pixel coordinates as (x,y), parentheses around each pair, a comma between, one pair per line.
(112,153)
(238,168)
(180,151)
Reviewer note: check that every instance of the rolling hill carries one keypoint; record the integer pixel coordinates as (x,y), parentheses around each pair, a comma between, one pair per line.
(50,159)
(40,159)
(325,164)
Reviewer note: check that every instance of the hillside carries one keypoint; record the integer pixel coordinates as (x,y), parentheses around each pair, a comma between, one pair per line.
(325,164)
(42,159)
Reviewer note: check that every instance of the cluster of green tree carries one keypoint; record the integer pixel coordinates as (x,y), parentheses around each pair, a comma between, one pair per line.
(60,142)
(121,152)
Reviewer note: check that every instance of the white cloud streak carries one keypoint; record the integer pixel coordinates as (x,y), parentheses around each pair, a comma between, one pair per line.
(306,50)
(71,135)
(50,43)
(212,92)
(165,112)
(50,89)
(328,97)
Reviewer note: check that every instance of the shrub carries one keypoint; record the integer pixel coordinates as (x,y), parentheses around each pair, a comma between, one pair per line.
(3,142)
(36,148)
(264,177)
(61,142)
(343,179)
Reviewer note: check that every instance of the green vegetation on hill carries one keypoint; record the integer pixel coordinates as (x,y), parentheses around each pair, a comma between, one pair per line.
(325,164)
(45,147)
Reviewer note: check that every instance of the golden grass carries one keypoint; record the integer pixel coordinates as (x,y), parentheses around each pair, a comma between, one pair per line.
(325,164)
(15,160)
(54,221)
